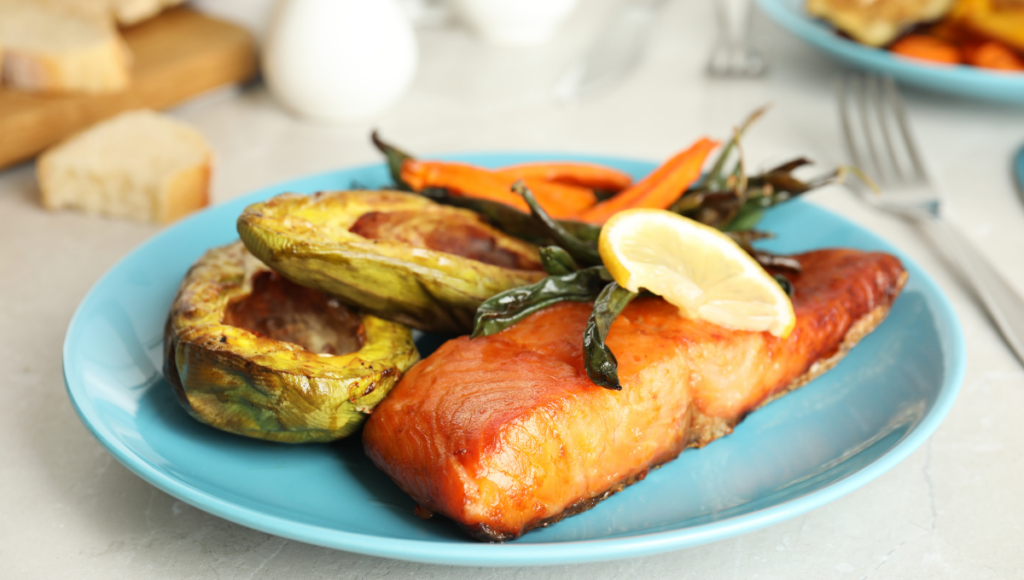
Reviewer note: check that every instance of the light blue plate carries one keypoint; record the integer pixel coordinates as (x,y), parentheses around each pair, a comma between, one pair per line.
(796,454)
(960,80)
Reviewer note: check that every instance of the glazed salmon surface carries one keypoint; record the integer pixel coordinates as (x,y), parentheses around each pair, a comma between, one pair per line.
(506,433)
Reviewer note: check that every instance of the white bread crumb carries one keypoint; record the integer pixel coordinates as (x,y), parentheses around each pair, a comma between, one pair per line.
(140,165)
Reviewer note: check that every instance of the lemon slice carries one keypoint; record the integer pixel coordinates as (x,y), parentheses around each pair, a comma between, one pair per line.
(696,268)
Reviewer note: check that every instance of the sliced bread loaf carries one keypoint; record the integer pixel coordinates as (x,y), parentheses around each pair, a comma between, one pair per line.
(140,165)
(129,12)
(50,48)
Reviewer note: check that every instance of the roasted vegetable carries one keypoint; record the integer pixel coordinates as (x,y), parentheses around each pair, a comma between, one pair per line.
(726,197)
(590,175)
(397,255)
(659,189)
(601,365)
(251,353)
(563,188)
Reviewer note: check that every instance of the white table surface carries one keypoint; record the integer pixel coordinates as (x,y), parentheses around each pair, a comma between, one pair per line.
(953,509)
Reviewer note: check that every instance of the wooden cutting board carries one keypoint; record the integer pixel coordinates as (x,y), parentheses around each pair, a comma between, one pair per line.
(177,55)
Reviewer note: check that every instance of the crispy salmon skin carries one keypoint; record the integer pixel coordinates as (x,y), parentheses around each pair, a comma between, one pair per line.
(506,433)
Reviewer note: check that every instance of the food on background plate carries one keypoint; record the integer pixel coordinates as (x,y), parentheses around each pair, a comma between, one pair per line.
(139,165)
(982,33)
(1001,20)
(397,255)
(50,48)
(877,22)
(249,352)
(507,432)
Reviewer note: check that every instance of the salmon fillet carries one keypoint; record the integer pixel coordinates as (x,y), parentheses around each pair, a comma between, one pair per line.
(506,433)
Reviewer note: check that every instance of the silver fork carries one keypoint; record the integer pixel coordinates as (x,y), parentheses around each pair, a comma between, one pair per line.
(879,142)
(732,54)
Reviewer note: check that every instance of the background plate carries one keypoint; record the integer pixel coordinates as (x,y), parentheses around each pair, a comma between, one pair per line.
(960,80)
(798,453)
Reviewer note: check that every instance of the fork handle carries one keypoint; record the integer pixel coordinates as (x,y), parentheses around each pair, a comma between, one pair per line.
(1004,305)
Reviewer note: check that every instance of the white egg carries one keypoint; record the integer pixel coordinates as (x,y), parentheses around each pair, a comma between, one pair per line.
(339,60)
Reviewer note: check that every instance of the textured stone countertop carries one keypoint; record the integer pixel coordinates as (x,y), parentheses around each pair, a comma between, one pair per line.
(952,509)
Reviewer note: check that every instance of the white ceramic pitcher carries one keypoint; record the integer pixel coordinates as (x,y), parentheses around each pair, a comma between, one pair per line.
(338,60)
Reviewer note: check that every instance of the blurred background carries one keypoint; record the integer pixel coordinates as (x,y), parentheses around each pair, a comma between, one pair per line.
(252,93)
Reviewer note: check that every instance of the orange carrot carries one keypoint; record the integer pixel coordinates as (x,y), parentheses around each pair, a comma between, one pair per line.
(928,48)
(559,200)
(659,189)
(588,175)
(460,179)
(994,55)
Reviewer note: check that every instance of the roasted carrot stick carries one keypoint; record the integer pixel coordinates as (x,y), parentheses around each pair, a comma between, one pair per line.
(588,175)
(994,55)
(928,48)
(460,179)
(558,199)
(659,189)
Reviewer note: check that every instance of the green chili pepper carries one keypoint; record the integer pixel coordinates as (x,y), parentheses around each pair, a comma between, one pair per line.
(557,261)
(787,286)
(581,251)
(602,368)
(395,157)
(509,307)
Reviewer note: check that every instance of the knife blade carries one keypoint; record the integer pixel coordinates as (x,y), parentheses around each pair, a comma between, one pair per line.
(613,54)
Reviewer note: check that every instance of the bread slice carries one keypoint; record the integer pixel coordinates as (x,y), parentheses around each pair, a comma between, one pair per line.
(139,165)
(49,48)
(123,12)
(131,12)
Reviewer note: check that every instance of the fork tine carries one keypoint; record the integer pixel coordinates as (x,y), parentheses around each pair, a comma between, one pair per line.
(843,95)
(882,108)
(896,105)
(870,141)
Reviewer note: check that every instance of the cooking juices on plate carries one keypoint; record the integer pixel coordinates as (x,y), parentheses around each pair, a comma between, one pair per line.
(605,325)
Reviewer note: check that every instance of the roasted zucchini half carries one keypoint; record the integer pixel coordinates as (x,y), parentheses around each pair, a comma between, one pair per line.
(399,256)
(252,353)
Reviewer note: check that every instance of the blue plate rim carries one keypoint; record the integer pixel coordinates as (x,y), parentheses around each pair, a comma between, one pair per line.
(961,80)
(533,554)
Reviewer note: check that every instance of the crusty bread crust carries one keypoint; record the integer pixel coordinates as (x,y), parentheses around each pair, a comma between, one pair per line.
(185,193)
(104,68)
